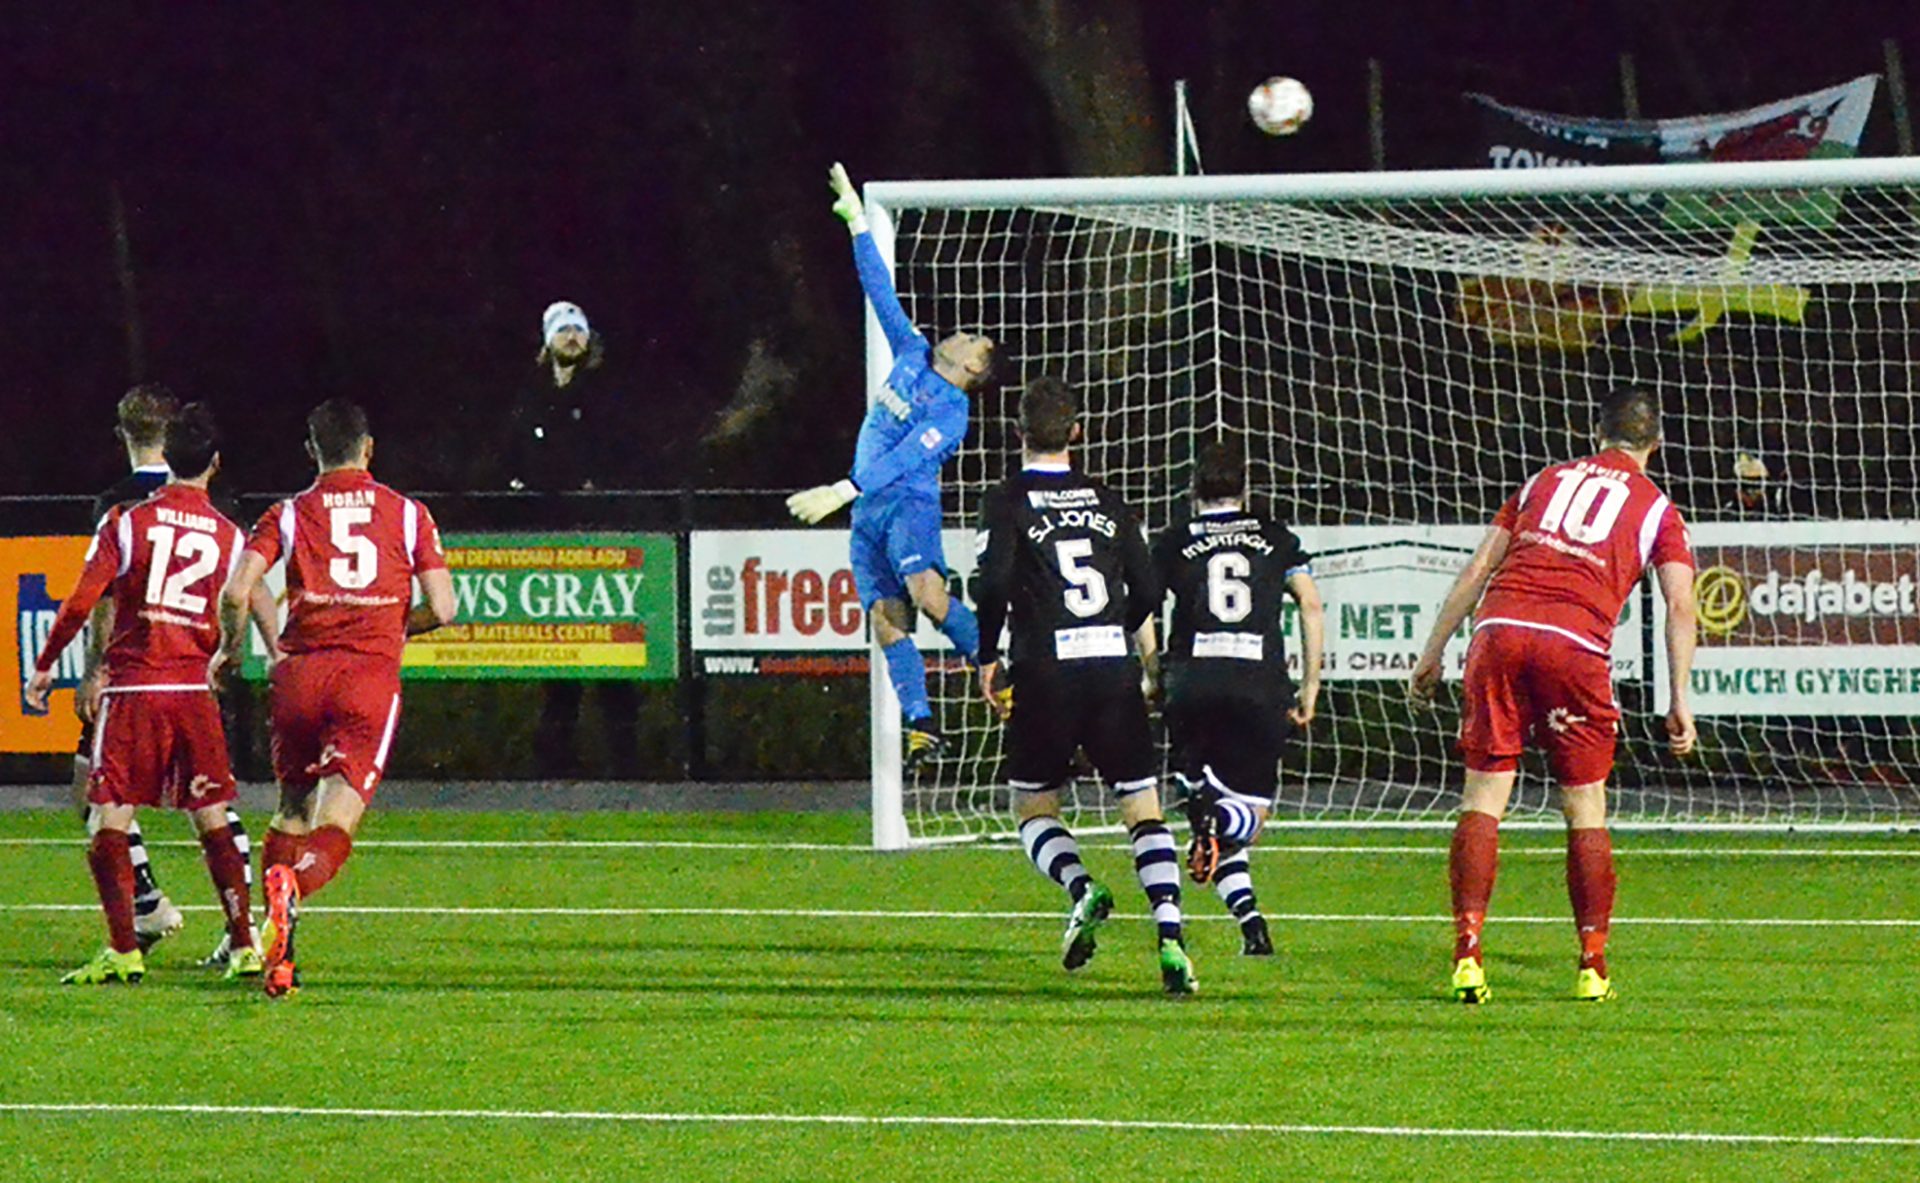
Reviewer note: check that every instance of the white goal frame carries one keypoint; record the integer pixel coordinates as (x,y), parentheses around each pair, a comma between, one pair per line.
(886,199)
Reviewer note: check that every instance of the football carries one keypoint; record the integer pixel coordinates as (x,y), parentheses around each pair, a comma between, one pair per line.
(1280,105)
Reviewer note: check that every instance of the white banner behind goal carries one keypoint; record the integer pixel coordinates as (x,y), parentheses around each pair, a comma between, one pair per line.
(1401,351)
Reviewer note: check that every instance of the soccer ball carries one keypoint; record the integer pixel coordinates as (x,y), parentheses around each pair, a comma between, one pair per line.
(1280,105)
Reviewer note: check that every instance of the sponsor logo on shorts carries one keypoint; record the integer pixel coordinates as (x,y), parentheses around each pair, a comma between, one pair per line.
(1560,720)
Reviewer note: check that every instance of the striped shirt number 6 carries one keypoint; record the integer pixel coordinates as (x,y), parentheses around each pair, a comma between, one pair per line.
(1228,596)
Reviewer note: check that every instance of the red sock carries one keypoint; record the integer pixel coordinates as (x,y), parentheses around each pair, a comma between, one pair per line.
(326,851)
(282,849)
(1590,885)
(112,868)
(1470,866)
(229,870)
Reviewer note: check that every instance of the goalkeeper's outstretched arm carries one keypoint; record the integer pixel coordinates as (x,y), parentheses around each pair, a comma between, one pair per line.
(934,439)
(810,505)
(875,281)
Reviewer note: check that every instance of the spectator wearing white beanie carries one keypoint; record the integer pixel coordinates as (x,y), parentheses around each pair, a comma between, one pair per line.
(567,342)
(562,315)
(571,431)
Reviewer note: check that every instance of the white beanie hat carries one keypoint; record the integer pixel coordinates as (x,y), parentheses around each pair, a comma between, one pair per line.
(561,315)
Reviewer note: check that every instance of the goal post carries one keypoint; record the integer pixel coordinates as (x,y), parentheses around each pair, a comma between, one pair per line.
(890,830)
(1400,351)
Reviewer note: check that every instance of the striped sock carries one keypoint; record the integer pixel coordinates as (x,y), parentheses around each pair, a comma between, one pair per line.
(241,843)
(1238,821)
(146,888)
(1233,883)
(1157,864)
(1055,854)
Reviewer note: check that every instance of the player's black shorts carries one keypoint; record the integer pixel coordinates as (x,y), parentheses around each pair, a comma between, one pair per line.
(1241,739)
(1103,715)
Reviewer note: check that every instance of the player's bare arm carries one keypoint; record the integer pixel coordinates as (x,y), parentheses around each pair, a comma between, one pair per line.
(93,680)
(996,696)
(236,604)
(266,618)
(437,606)
(95,578)
(1676,587)
(39,686)
(1313,633)
(1146,641)
(1454,610)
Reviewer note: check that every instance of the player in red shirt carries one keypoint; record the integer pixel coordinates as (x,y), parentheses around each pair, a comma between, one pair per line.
(1549,580)
(354,550)
(158,739)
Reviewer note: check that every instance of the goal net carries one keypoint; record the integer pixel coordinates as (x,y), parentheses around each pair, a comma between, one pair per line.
(1400,352)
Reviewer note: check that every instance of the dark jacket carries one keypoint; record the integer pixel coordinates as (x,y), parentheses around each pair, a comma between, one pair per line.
(568,437)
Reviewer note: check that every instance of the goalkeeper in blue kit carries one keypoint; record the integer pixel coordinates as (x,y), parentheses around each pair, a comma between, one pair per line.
(916,421)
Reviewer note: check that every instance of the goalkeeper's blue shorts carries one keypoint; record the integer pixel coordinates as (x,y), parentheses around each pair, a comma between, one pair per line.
(893,539)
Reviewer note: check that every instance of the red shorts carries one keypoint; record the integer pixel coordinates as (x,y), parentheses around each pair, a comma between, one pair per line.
(1528,683)
(334,714)
(160,747)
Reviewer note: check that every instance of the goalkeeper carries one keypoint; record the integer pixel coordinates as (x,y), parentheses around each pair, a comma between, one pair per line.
(915,422)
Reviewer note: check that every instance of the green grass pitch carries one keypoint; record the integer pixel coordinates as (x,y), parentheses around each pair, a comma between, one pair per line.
(554,996)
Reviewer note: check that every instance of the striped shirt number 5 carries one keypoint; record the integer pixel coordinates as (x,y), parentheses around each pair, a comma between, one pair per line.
(1088,593)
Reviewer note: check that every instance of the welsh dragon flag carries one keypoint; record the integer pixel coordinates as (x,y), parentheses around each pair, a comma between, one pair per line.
(1809,126)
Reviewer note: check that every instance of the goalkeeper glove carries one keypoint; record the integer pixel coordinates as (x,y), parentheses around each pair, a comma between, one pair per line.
(810,505)
(846,202)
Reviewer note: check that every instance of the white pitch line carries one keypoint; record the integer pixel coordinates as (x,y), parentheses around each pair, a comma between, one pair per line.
(507,844)
(1014,1123)
(510,844)
(878,914)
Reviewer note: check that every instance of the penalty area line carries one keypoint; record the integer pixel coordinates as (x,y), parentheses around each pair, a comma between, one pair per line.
(506,844)
(1264,848)
(1053,917)
(1281,1129)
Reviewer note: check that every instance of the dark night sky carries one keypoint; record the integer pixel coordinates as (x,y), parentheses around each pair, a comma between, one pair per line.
(377,201)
